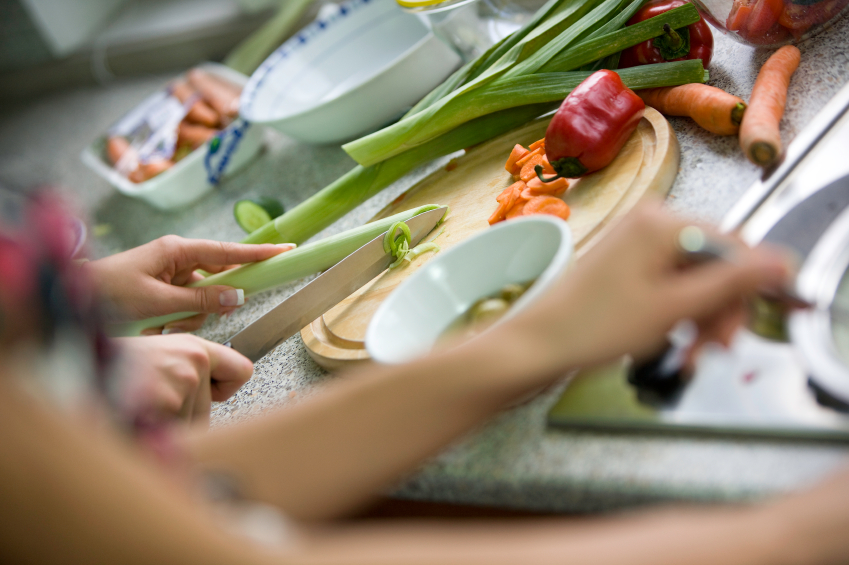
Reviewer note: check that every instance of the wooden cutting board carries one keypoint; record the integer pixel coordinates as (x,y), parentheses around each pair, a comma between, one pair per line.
(647,164)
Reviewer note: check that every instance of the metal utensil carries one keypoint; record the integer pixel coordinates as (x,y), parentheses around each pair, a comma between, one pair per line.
(327,290)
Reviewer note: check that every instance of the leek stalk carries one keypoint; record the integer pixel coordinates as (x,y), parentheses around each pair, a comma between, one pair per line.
(300,262)
(504,92)
(307,259)
(361,183)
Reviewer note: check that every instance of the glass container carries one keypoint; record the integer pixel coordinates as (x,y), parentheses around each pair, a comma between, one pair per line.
(770,23)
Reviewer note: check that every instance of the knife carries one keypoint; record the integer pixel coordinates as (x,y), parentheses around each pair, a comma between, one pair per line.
(325,291)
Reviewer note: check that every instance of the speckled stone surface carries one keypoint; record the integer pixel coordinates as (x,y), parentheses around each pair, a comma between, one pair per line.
(514,460)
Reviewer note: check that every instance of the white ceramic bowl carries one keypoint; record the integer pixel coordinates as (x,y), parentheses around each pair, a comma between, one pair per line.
(189,179)
(348,74)
(411,319)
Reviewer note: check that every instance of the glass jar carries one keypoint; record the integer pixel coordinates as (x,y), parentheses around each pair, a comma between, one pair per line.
(770,23)
(472,26)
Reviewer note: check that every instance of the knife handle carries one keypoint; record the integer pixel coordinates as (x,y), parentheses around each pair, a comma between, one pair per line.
(663,374)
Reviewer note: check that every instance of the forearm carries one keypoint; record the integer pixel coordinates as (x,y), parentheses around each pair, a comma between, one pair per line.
(326,455)
(671,537)
(79,496)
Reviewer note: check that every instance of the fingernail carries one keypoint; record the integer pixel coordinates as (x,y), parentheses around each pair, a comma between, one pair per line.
(232,297)
(289,245)
(167,331)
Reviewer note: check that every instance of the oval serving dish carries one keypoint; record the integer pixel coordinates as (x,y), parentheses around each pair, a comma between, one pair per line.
(347,74)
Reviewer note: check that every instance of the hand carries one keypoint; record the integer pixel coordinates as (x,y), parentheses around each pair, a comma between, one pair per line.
(628,292)
(149,280)
(180,375)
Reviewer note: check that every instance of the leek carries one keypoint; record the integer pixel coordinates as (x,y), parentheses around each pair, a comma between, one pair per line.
(508,89)
(307,259)
(300,262)
(361,183)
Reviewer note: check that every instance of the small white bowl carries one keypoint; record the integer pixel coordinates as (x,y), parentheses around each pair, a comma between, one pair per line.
(411,319)
(191,178)
(347,74)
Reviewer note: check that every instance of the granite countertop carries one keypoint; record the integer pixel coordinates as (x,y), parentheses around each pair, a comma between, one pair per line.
(513,461)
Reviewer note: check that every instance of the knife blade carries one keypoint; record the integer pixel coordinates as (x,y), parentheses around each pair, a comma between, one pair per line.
(325,291)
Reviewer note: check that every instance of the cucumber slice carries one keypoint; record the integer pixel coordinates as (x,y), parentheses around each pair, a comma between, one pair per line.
(253,214)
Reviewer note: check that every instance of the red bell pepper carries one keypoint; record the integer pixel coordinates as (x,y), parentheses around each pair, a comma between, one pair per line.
(692,42)
(591,126)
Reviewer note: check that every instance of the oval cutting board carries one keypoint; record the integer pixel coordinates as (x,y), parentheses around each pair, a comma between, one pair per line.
(647,164)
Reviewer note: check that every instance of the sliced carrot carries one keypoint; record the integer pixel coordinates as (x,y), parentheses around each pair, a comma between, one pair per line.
(517,210)
(499,215)
(527,173)
(528,156)
(738,17)
(546,166)
(558,184)
(511,192)
(547,205)
(517,153)
(759,135)
(537,143)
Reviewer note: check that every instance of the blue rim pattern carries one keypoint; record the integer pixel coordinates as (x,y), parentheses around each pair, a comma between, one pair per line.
(293,45)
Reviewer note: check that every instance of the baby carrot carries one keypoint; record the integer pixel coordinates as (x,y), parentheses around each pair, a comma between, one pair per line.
(200,112)
(150,170)
(116,146)
(712,108)
(759,135)
(221,95)
(193,134)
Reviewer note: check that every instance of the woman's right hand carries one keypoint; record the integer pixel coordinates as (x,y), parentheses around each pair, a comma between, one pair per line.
(625,294)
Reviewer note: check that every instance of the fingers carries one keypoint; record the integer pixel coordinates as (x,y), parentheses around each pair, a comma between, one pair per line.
(206,300)
(207,252)
(702,290)
(229,370)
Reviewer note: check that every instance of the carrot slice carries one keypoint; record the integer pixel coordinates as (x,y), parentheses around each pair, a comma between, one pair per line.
(517,153)
(499,214)
(517,210)
(557,186)
(511,191)
(547,205)
(546,166)
(527,173)
(537,143)
(528,156)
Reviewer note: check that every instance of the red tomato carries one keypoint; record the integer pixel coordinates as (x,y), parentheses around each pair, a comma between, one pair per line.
(764,16)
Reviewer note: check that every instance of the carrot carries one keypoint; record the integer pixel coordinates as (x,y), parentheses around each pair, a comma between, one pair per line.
(527,173)
(150,170)
(546,166)
(537,143)
(710,107)
(556,187)
(547,205)
(518,209)
(116,147)
(759,135)
(193,134)
(528,156)
(506,200)
(517,153)
(499,215)
(221,95)
(200,112)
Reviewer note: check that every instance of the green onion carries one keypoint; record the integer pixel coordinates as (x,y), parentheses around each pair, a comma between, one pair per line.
(346,193)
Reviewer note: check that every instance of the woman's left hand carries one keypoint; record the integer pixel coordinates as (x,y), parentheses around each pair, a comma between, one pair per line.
(150,280)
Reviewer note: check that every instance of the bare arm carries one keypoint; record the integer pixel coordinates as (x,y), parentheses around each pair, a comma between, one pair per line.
(322,458)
